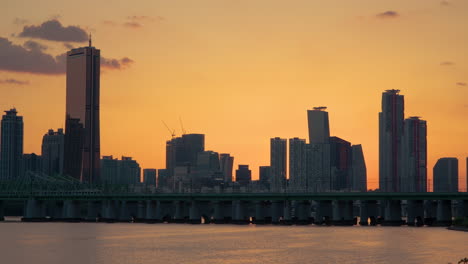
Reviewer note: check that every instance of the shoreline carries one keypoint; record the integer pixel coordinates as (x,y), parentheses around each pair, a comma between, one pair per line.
(458,228)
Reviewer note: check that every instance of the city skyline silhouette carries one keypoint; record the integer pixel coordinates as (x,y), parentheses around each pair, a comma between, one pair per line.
(241,99)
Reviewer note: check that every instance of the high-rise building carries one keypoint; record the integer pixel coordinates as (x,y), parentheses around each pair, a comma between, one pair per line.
(318,169)
(278,164)
(445,175)
(11,149)
(265,175)
(390,140)
(358,169)
(243,175)
(183,151)
(52,152)
(32,163)
(226,162)
(414,156)
(82,133)
(149,176)
(340,164)
(297,164)
(164,180)
(115,171)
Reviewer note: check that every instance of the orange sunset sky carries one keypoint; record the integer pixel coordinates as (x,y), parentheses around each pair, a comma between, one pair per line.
(243,71)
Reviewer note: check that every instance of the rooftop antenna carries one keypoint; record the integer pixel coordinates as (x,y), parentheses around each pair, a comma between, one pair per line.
(90,39)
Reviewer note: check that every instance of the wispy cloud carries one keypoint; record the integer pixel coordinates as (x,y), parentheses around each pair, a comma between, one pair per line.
(53,30)
(20,21)
(132,24)
(447,63)
(462,84)
(116,64)
(445,3)
(388,14)
(14,82)
(33,45)
(68,45)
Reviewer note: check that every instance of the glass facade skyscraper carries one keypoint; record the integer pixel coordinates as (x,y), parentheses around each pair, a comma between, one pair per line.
(82,133)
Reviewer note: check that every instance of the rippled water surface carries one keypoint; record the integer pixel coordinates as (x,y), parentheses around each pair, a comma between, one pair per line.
(182,243)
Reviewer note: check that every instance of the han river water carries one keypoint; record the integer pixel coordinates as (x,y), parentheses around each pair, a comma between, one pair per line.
(80,243)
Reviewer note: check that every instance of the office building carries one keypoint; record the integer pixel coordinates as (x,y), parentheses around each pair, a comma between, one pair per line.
(82,133)
(277,164)
(52,152)
(445,175)
(358,169)
(414,156)
(226,162)
(297,164)
(390,140)
(149,176)
(11,148)
(121,172)
(183,151)
(32,163)
(340,164)
(243,175)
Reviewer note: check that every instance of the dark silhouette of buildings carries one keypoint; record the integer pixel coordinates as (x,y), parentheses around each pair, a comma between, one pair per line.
(414,163)
(183,151)
(359,170)
(445,175)
(82,132)
(53,145)
(32,163)
(391,126)
(265,176)
(11,149)
(149,176)
(125,171)
(243,175)
(297,164)
(277,164)
(226,162)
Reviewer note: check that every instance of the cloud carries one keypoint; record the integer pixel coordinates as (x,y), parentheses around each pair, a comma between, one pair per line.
(109,23)
(388,14)
(132,24)
(16,58)
(447,63)
(33,45)
(115,64)
(445,3)
(68,46)
(14,81)
(53,30)
(462,84)
(20,21)
(145,18)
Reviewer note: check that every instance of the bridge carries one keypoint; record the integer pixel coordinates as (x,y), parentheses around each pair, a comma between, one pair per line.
(334,208)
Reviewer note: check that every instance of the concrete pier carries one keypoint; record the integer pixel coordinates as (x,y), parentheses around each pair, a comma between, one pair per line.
(415,213)
(343,213)
(239,208)
(286,213)
(276,212)
(444,213)
(260,209)
(323,213)
(392,213)
(153,212)
(195,217)
(71,211)
(179,216)
(124,212)
(140,212)
(92,211)
(2,211)
(34,211)
(109,211)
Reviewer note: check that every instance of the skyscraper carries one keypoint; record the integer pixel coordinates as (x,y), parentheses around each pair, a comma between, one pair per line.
(149,176)
(243,175)
(278,164)
(359,170)
(11,150)
(52,153)
(183,151)
(318,151)
(82,133)
(297,164)
(414,156)
(226,162)
(390,140)
(445,175)
(340,164)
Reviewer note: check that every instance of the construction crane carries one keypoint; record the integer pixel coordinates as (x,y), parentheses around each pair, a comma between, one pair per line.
(182,126)
(170,131)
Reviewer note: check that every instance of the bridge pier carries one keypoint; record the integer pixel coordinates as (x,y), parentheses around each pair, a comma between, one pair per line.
(194,214)
(218,215)
(109,211)
(140,212)
(2,211)
(259,213)
(287,213)
(55,211)
(392,216)
(71,211)
(34,211)
(415,213)
(239,208)
(343,213)
(92,211)
(276,211)
(461,209)
(323,212)
(179,216)
(124,212)
(153,212)
(430,212)
(444,213)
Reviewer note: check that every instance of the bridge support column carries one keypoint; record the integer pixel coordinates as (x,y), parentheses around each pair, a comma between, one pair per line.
(153,212)
(92,211)
(34,211)
(430,212)
(218,214)
(342,212)
(239,213)
(179,216)
(195,217)
(444,213)
(71,211)
(2,211)
(392,213)
(124,212)
(276,212)
(140,212)
(323,212)
(109,211)
(369,211)
(415,213)
(259,213)
(286,213)
(56,211)
(461,209)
